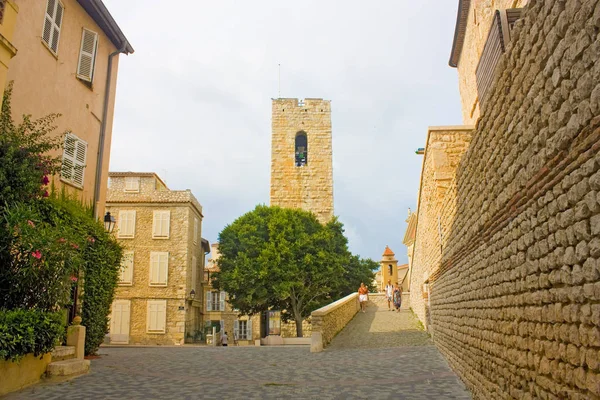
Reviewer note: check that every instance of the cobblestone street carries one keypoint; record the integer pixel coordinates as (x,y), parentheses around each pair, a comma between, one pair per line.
(379,355)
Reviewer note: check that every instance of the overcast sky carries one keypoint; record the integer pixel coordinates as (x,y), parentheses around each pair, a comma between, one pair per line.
(194,100)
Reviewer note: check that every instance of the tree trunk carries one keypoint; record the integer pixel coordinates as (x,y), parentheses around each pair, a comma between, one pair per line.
(298,320)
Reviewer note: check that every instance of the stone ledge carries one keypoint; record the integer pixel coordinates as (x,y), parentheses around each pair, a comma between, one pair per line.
(68,367)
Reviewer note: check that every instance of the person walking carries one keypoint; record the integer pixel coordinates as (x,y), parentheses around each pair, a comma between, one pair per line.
(363,296)
(224,339)
(397,297)
(389,293)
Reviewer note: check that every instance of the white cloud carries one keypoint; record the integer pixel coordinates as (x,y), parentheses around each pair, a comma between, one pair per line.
(194,100)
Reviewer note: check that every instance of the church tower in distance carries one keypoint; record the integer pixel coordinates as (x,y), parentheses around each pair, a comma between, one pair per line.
(301,156)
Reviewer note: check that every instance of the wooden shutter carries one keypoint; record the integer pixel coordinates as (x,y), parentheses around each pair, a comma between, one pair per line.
(159,268)
(80,158)
(68,162)
(127,268)
(222,326)
(498,38)
(52,24)
(157,315)
(161,224)
(126,223)
(208,301)
(87,55)
(132,184)
(249,329)
(236,329)
(194,272)
(222,301)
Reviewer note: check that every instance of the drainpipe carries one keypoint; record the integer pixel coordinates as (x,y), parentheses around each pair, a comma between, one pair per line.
(103,129)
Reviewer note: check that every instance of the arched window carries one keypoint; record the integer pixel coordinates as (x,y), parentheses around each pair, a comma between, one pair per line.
(301,149)
(390,269)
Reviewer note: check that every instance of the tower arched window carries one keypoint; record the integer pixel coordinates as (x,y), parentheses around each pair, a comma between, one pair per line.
(301,149)
(390,269)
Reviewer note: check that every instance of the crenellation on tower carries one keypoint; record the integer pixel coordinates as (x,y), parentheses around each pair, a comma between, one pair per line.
(301,156)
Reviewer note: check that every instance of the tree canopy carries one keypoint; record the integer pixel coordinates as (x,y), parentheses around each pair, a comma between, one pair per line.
(278,258)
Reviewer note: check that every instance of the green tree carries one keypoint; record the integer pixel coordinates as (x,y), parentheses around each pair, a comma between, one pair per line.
(277,258)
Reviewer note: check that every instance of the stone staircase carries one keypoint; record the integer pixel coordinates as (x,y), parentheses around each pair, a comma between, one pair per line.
(66,363)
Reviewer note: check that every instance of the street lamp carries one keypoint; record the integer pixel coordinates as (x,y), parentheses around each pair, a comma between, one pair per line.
(109,222)
(192,294)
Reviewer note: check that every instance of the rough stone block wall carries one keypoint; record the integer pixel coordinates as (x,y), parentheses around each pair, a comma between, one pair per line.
(288,329)
(444,150)
(515,299)
(331,319)
(309,187)
(478,26)
(183,207)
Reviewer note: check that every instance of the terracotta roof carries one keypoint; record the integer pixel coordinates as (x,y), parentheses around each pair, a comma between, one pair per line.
(462,16)
(388,252)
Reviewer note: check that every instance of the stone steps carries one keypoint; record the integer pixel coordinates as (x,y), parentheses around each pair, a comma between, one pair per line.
(61,353)
(68,367)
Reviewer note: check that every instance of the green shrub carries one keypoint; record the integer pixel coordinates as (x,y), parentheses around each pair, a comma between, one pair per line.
(28,331)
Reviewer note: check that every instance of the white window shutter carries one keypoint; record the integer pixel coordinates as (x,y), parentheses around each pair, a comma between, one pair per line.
(209,301)
(166,223)
(156,223)
(222,323)
(164,267)
(52,24)
(249,329)
(154,267)
(152,314)
(222,301)
(87,55)
(127,267)
(80,159)
(131,224)
(236,329)
(162,316)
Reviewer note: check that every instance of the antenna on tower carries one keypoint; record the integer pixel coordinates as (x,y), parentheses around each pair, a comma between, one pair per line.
(279,79)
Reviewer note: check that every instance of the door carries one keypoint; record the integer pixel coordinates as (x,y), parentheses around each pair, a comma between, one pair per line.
(119,325)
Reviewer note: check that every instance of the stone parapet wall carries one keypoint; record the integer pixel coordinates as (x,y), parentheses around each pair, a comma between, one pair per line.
(514,290)
(288,329)
(329,320)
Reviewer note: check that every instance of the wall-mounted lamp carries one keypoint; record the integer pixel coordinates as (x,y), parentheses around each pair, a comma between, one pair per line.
(109,222)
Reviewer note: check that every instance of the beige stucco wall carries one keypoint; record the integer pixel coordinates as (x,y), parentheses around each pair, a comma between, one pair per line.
(478,26)
(309,187)
(45,83)
(181,247)
(515,292)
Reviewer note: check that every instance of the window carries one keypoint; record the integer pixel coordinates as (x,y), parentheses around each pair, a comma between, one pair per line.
(87,55)
(215,301)
(159,268)
(160,225)
(496,43)
(132,184)
(126,277)
(126,224)
(52,24)
(156,320)
(196,226)
(301,149)
(242,329)
(73,162)
(194,272)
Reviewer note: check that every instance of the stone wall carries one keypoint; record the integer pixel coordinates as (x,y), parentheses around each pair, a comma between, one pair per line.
(329,320)
(288,329)
(479,21)
(309,187)
(515,295)
(444,149)
(182,314)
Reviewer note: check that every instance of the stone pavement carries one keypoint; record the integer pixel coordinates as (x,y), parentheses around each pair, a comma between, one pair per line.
(380,355)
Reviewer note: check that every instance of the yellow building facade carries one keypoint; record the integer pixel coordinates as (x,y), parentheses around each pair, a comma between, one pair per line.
(159,299)
(67,61)
(8,21)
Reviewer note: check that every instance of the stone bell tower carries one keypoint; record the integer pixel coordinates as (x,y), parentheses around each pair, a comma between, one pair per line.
(301,156)
(389,267)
